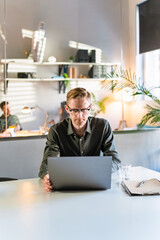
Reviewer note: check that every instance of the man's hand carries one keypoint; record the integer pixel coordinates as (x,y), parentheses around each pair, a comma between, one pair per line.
(47,185)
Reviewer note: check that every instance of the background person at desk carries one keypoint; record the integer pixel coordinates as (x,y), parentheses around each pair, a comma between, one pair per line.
(12,120)
(62,111)
(79,135)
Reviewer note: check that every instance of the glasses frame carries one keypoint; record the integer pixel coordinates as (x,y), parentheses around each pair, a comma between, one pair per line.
(76,111)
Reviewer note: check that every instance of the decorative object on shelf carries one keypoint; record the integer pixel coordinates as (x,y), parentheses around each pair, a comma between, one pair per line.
(93,53)
(98,71)
(25,75)
(39,43)
(52,59)
(71,59)
(82,56)
(92,56)
(72,72)
(130,81)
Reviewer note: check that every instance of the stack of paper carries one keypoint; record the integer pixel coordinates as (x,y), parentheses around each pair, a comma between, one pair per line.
(148,187)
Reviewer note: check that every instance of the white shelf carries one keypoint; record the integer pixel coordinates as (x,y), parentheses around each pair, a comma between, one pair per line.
(52,79)
(30,62)
(26,65)
(78,63)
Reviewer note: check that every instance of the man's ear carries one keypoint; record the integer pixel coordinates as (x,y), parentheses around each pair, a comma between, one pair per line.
(66,107)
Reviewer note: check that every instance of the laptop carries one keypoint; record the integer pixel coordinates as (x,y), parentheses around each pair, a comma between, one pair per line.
(80,173)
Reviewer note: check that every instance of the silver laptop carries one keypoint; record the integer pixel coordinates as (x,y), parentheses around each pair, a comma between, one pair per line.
(80,173)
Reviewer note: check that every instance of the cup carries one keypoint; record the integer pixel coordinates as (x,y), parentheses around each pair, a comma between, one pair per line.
(124,172)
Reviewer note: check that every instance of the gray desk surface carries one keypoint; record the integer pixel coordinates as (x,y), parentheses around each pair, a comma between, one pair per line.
(27,212)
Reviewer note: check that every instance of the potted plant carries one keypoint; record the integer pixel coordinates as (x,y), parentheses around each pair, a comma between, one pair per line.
(120,79)
(71,59)
(98,106)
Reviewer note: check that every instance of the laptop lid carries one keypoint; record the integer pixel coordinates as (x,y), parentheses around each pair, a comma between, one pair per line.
(76,173)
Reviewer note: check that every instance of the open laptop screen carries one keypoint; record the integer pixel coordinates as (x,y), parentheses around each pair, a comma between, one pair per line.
(75,173)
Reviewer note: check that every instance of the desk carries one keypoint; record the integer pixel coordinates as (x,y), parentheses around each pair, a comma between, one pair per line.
(27,212)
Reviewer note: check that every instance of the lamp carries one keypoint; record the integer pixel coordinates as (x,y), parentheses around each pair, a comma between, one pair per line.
(27,109)
(123,95)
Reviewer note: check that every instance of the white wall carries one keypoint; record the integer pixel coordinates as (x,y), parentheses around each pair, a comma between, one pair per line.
(103,24)
(97,23)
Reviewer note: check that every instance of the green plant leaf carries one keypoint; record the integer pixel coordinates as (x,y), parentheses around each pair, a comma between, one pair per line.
(128,79)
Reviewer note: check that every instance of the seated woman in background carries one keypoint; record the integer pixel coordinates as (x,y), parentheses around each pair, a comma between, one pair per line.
(12,120)
(62,111)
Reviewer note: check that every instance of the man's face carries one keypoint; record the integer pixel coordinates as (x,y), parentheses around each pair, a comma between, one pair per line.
(6,110)
(78,118)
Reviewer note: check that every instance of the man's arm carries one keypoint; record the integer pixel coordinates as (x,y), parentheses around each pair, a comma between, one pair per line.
(109,148)
(51,149)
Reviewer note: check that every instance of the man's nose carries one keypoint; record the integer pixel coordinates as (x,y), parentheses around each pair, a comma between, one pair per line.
(80,113)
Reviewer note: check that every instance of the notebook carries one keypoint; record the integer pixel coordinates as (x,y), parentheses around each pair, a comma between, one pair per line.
(147,187)
(80,173)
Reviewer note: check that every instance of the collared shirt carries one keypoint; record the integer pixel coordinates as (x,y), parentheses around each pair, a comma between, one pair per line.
(11,121)
(62,141)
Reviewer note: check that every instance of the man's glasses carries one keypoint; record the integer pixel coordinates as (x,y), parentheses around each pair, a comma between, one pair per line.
(83,110)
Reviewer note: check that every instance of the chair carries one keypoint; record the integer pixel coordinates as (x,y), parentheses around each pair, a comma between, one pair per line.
(4,179)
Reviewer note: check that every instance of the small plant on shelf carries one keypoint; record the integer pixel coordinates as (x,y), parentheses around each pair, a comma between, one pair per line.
(71,59)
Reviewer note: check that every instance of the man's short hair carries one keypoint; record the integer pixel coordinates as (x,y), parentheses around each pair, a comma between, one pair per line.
(78,93)
(3,104)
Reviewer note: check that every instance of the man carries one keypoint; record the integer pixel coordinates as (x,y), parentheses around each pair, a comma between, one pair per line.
(79,135)
(12,120)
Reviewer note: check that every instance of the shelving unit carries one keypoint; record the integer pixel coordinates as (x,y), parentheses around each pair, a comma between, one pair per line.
(29,62)
(50,72)
(53,79)
(14,66)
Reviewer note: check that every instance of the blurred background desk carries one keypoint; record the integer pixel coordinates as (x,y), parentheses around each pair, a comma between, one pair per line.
(27,212)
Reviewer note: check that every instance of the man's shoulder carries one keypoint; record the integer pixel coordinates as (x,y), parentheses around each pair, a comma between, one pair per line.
(96,120)
(60,125)
(12,117)
(99,124)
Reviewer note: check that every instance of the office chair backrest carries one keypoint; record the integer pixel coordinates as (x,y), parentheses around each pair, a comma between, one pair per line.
(4,179)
